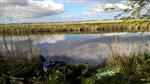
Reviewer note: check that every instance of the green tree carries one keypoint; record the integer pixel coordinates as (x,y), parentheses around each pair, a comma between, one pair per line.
(135,9)
(141,8)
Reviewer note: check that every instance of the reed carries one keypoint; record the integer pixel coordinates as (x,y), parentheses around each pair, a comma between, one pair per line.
(123,26)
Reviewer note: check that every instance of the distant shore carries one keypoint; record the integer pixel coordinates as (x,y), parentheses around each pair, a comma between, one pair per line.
(77,27)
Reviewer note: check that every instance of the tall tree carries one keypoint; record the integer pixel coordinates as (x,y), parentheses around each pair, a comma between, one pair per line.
(135,9)
(140,8)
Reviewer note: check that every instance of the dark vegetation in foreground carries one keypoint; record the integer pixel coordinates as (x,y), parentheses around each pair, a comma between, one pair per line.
(118,26)
(116,70)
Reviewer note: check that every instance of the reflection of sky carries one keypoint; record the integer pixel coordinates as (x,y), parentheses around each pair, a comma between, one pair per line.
(94,48)
(51,38)
(60,37)
(77,36)
(84,48)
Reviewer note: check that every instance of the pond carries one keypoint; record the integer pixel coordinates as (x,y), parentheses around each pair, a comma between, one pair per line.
(76,48)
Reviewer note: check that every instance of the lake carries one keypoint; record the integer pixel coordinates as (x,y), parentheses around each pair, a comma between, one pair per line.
(76,48)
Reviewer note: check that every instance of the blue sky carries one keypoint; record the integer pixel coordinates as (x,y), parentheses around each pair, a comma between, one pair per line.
(19,11)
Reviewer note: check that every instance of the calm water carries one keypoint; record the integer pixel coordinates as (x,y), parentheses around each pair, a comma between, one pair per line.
(76,48)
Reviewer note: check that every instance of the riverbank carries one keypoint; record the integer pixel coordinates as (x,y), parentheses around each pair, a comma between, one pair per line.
(77,27)
(117,70)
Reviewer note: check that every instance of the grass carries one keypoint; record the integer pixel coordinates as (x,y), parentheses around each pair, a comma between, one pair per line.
(81,27)
(128,70)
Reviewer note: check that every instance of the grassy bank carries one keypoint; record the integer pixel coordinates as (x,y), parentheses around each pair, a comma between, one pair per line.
(79,27)
(116,70)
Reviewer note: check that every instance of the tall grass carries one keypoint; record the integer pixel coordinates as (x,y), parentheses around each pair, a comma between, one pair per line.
(127,26)
(128,70)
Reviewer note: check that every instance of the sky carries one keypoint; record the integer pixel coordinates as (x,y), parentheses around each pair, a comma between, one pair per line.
(27,11)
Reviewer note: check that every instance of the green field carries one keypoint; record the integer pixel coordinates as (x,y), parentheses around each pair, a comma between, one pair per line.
(77,27)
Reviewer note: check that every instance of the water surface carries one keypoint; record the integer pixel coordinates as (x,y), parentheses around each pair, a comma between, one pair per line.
(77,48)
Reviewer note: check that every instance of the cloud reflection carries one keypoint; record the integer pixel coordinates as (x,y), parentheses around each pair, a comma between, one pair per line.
(51,38)
(88,48)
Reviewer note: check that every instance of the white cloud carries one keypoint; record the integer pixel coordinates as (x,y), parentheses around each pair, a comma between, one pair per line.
(93,11)
(78,1)
(100,8)
(14,2)
(67,16)
(30,8)
(96,1)
(119,6)
(90,14)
